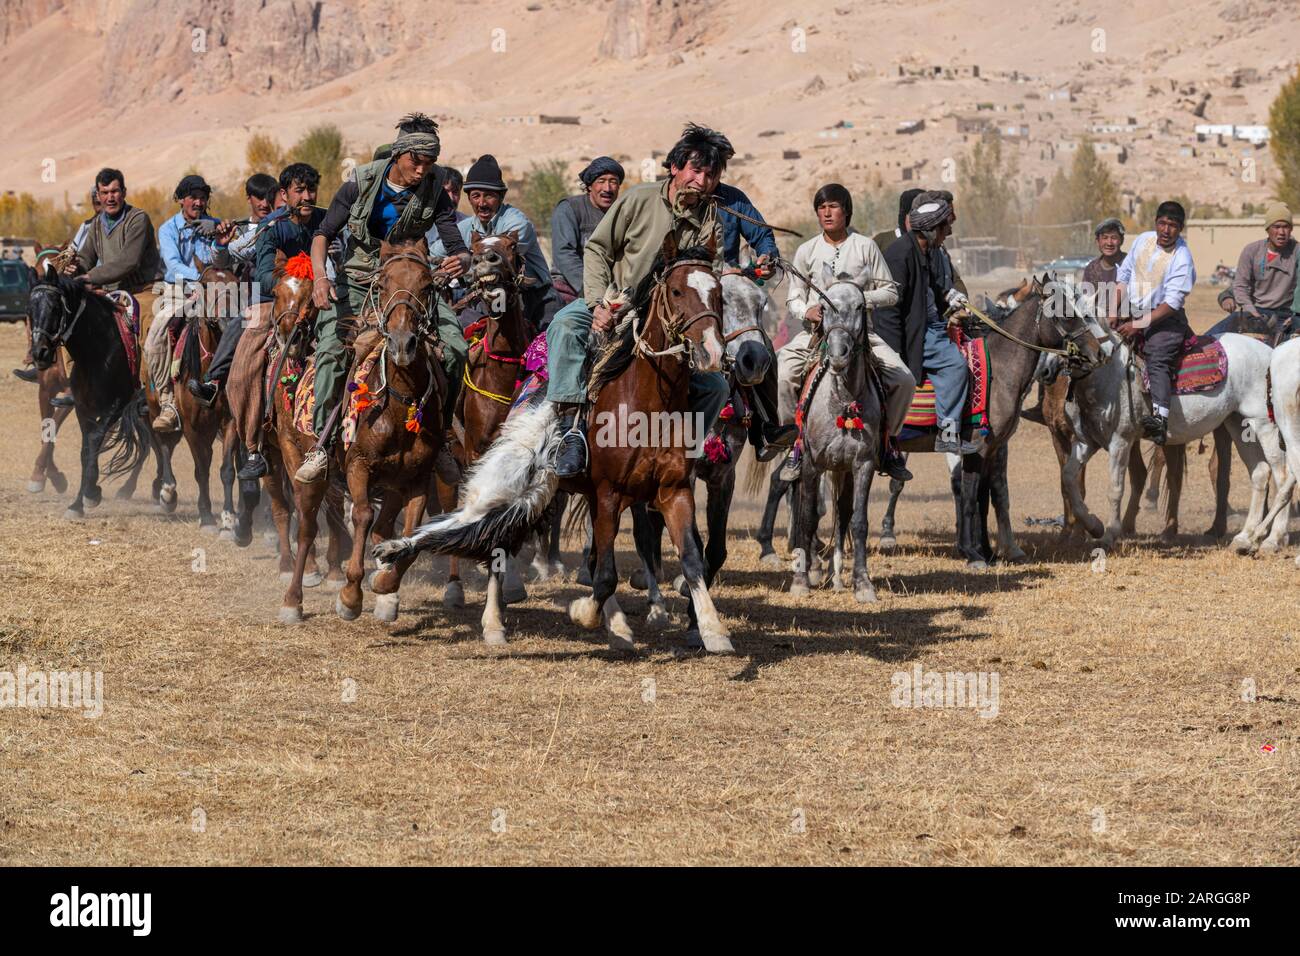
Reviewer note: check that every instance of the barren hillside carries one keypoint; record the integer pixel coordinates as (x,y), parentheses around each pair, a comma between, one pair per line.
(808,92)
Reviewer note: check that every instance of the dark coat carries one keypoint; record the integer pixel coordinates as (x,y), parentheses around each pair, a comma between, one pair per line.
(902,325)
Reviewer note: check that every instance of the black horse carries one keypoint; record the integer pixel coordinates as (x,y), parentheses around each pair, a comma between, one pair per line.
(109,401)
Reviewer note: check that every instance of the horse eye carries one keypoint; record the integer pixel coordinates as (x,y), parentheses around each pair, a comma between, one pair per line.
(677,292)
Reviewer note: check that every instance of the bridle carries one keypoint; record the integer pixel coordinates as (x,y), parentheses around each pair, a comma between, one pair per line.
(675,324)
(408,297)
(64,332)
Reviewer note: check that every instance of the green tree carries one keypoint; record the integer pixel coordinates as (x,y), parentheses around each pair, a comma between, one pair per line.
(987,201)
(543,187)
(1284,140)
(322,147)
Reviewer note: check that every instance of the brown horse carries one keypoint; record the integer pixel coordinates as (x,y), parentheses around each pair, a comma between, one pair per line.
(645,372)
(292,315)
(400,429)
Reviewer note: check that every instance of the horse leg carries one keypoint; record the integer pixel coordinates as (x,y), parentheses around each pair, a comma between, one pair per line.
(587,612)
(281,515)
(453,595)
(1000,489)
(1268,441)
(863,590)
(1120,450)
(888,542)
(642,529)
(340,542)
(388,580)
(201,452)
(348,602)
(1155,469)
(985,494)
(716,512)
(90,439)
(309,499)
(1137,477)
(1220,479)
(678,509)
(805,527)
(553,557)
(167,487)
(228,478)
(776,490)
(1175,465)
(841,486)
(969,531)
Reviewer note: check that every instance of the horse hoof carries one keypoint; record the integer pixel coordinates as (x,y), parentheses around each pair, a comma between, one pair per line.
(866,595)
(717,642)
(799,589)
(72,514)
(620,642)
(454,595)
(514,595)
(638,581)
(36,487)
(887,544)
(290,615)
(1269,546)
(584,577)
(494,637)
(312,579)
(345,612)
(977,565)
(386,608)
(286,577)
(241,541)
(227,534)
(1242,544)
(92,502)
(657,616)
(770,560)
(585,613)
(815,577)
(1094,526)
(836,584)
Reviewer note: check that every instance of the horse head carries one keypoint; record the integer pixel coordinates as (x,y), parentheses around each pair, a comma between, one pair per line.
(406,297)
(691,299)
(54,304)
(1071,323)
(748,350)
(219,295)
(842,317)
(292,304)
(495,261)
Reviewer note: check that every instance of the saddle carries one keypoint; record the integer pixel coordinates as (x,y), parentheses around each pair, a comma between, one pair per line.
(1202,365)
(126,315)
(921,415)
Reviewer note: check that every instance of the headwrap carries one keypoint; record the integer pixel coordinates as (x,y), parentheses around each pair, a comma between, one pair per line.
(1109,225)
(417,142)
(601,166)
(929,211)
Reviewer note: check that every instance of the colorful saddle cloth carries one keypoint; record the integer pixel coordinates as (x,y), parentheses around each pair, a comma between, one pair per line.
(1202,366)
(922,414)
(126,313)
(535,377)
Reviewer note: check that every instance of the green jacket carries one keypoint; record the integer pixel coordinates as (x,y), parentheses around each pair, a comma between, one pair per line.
(415,220)
(622,249)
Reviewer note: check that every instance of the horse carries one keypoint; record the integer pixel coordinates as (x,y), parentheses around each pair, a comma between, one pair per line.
(105,391)
(644,371)
(292,314)
(201,425)
(840,432)
(50,382)
(1106,407)
(749,355)
(399,428)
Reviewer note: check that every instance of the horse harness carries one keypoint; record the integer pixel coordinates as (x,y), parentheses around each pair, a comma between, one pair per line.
(675,333)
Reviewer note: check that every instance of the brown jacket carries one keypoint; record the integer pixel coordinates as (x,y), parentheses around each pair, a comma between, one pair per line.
(127,257)
(1265,285)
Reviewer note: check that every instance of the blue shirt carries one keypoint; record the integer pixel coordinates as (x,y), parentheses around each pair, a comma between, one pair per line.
(383,216)
(179,246)
(507,219)
(760,239)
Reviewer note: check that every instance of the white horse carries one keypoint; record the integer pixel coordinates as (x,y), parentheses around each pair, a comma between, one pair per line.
(1284,373)
(1108,403)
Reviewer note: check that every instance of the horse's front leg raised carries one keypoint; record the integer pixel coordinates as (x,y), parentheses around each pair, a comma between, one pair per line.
(1072,481)
(348,602)
(586,612)
(388,580)
(678,509)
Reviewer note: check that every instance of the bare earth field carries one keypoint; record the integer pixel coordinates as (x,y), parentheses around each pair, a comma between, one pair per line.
(1121,736)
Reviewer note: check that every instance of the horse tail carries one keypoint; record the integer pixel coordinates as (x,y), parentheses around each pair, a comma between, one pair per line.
(577,520)
(505,496)
(130,439)
(755,478)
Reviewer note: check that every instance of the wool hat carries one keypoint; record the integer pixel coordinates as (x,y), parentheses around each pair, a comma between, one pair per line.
(1277,212)
(485,174)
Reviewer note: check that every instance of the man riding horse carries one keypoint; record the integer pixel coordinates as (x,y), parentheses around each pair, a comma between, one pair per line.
(574,220)
(395,199)
(838,250)
(618,256)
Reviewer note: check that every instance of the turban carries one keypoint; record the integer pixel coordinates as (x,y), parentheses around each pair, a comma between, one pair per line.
(929,212)
(601,166)
(417,142)
(905,203)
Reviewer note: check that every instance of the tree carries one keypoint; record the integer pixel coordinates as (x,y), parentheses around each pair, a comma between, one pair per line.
(543,188)
(263,155)
(987,201)
(1284,140)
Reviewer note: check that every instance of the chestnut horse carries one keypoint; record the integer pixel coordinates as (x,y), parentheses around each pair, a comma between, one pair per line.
(399,429)
(644,371)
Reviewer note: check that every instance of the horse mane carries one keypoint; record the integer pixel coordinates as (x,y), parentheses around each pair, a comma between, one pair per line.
(616,355)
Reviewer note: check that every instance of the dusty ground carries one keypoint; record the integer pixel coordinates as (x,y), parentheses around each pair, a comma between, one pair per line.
(1121,735)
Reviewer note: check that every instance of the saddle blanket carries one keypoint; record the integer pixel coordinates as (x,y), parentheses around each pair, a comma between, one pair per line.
(535,377)
(921,414)
(1202,366)
(126,314)
(358,396)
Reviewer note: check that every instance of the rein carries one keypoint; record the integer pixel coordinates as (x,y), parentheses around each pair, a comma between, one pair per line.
(674,333)
(63,333)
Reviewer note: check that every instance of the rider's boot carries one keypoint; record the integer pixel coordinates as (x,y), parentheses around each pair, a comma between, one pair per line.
(1155,427)
(254,466)
(572,459)
(28,374)
(168,420)
(314,467)
(792,467)
(205,392)
(63,400)
(893,462)
(948,441)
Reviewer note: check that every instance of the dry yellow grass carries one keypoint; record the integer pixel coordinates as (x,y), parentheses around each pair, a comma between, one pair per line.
(1122,734)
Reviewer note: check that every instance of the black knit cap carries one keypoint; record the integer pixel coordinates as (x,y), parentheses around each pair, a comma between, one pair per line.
(190,185)
(485,174)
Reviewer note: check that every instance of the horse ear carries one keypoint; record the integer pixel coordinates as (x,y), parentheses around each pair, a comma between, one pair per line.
(669,248)
(828,274)
(475,243)
(280,260)
(513,236)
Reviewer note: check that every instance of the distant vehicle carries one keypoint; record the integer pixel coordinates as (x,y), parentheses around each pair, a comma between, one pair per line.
(15,282)
(1223,274)
(1069,266)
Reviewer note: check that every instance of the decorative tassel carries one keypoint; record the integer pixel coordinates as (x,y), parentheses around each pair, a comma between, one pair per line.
(413,417)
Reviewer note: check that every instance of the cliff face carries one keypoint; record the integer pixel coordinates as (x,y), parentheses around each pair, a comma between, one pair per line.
(636,28)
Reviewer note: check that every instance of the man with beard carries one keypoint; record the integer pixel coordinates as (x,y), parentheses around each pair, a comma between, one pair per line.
(576,218)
